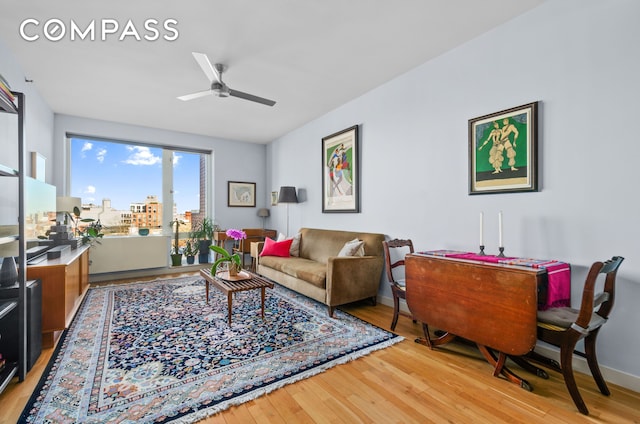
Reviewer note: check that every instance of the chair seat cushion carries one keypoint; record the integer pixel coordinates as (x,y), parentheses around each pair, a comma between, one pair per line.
(564,317)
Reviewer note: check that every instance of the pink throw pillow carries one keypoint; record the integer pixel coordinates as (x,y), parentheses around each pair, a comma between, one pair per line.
(276,248)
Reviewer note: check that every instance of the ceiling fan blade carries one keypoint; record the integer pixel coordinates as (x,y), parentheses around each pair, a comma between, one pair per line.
(196,95)
(211,72)
(247,96)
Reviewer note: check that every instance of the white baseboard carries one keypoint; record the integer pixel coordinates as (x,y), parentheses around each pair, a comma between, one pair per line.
(620,378)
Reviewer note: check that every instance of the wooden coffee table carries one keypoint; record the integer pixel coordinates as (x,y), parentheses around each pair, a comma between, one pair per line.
(246,281)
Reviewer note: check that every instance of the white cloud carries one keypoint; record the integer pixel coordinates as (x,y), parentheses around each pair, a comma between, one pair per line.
(90,190)
(141,156)
(100,154)
(85,148)
(176,159)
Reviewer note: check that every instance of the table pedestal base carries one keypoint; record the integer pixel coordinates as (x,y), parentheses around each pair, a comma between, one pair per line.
(498,362)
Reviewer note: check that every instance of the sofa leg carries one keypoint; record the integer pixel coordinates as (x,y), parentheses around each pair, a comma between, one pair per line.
(331,309)
(374,300)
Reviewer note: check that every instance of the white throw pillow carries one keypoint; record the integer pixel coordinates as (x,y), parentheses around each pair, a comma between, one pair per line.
(354,247)
(295,244)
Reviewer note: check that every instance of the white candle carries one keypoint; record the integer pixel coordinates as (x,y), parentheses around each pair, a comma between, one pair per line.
(481,228)
(500,230)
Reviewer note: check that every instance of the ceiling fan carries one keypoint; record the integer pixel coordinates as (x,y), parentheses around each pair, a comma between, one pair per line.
(219,88)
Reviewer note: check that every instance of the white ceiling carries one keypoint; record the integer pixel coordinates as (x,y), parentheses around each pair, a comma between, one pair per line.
(311,56)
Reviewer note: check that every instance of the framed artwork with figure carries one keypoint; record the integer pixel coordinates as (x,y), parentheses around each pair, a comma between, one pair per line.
(503,151)
(241,194)
(341,172)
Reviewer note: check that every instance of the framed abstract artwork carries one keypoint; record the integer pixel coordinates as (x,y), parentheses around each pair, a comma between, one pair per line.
(503,151)
(341,172)
(241,194)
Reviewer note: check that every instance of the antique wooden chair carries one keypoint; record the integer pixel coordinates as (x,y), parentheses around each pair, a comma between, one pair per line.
(243,247)
(398,288)
(564,327)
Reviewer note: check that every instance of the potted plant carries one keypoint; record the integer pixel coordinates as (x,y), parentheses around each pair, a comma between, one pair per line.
(190,250)
(233,261)
(204,233)
(176,256)
(90,234)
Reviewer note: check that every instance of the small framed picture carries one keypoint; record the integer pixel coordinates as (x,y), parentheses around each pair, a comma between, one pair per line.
(274,198)
(241,194)
(341,172)
(503,151)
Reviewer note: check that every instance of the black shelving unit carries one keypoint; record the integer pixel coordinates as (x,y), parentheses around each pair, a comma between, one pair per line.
(7,306)
(10,368)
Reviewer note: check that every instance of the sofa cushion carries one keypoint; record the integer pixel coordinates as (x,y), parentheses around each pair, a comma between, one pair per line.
(276,248)
(304,269)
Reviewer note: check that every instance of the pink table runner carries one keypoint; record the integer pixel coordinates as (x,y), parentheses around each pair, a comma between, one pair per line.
(558,273)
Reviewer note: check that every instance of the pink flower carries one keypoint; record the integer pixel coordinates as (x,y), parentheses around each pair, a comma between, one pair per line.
(236,234)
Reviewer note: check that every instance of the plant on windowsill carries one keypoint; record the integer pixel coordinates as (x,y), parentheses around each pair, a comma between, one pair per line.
(190,250)
(234,261)
(204,233)
(176,256)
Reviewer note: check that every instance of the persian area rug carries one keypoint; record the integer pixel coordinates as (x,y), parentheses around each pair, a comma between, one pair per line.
(157,352)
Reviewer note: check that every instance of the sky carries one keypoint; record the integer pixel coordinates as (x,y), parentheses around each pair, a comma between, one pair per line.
(126,173)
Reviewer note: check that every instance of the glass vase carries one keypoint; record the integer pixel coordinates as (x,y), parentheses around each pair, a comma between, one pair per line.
(8,272)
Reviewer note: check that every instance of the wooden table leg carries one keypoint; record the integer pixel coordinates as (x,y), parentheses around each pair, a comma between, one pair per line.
(262,302)
(206,285)
(229,304)
(500,368)
(529,366)
(431,343)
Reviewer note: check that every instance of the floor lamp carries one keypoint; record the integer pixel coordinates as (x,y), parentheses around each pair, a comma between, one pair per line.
(287,195)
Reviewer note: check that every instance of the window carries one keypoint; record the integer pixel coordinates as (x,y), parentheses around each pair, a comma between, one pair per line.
(130,186)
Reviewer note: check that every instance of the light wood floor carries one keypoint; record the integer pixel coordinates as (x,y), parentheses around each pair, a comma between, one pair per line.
(405,383)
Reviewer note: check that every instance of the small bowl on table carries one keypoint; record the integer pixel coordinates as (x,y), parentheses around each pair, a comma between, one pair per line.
(143,231)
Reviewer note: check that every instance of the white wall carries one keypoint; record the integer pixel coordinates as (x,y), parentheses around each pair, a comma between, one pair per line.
(580,59)
(232,161)
(38,117)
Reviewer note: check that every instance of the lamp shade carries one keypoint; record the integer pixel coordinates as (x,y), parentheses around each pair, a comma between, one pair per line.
(66,204)
(287,195)
(263,212)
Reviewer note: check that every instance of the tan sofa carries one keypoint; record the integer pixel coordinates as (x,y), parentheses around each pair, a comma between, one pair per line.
(321,275)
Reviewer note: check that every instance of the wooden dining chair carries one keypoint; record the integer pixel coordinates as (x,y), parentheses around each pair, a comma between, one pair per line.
(398,288)
(564,327)
(243,246)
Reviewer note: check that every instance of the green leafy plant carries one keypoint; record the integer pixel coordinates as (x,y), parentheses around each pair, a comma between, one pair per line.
(204,230)
(89,234)
(191,247)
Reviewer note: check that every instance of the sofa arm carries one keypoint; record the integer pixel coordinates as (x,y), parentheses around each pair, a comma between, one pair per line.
(256,248)
(353,278)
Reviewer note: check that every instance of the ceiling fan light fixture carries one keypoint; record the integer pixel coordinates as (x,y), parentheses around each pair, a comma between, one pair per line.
(221,90)
(218,87)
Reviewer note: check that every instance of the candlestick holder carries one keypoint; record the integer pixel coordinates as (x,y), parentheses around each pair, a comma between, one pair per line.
(481,252)
(501,254)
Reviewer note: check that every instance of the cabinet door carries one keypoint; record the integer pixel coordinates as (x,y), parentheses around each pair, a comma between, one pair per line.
(71,290)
